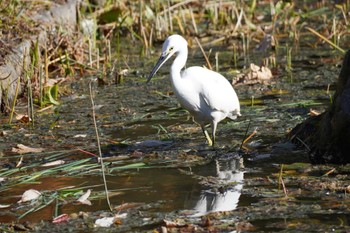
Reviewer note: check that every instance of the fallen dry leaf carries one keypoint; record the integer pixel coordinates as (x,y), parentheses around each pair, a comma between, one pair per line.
(4,133)
(29,195)
(104,222)
(22,149)
(314,112)
(170,224)
(84,198)
(255,74)
(23,118)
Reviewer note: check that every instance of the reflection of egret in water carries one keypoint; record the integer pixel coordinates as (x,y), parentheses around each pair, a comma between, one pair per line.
(228,171)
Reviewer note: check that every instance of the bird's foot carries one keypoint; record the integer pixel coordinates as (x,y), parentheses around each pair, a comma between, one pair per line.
(210,142)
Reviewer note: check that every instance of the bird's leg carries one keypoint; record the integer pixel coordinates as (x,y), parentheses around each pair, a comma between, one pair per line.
(206,134)
(213,131)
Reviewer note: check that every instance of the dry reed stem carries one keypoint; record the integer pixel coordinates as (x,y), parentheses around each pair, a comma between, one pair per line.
(250,136)
(179,24)
(181,3)
(87,152)
(205,56)
(14,99)
(170,18)
(44,109)
(304,144)
(330,172)
(46,63)
(193,21)
(325,39)
(56,60)
(239,21)
(281,182)
(99,145)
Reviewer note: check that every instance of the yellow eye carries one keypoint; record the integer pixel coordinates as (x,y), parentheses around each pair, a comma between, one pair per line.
(170,49)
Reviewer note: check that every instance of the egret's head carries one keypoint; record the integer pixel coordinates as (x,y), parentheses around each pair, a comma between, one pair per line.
(172,45)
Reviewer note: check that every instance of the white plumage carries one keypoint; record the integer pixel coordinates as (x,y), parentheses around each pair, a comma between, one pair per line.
(206,94)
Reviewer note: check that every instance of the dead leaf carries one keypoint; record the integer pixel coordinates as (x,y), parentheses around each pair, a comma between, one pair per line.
(255,74)
(314,112)
(23,118)
(4,133)
(254,67)
(104,222)
(244,226)
(22,149)
(170,224)
(29,195)
(53,163)
(84,198)
(347,189)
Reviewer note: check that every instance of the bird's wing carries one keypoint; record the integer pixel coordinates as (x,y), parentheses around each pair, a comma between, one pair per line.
(218,93)
(213,89)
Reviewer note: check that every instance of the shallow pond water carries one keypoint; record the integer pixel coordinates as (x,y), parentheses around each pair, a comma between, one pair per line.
(159,165)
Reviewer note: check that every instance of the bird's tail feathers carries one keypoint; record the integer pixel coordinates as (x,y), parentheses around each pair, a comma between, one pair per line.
(233,115)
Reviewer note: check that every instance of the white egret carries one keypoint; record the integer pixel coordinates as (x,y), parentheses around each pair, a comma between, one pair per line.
(207,95)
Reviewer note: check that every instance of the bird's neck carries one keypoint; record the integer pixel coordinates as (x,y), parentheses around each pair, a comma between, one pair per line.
(178,64)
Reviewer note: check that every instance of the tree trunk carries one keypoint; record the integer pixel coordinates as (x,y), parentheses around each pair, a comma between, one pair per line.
(327,136)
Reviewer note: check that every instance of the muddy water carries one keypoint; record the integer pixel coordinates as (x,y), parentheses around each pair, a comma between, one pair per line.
(175,174)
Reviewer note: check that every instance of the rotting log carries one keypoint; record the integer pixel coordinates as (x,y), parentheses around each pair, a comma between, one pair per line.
(15,64)
(327,136)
